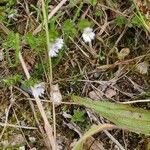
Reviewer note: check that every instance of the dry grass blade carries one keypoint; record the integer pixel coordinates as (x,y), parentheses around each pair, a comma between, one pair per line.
(47,126)
(4,28)
(7,114)
(16,126)
(136,101)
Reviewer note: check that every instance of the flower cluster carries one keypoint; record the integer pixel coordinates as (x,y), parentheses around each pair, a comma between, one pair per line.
(38,89)
(55,47)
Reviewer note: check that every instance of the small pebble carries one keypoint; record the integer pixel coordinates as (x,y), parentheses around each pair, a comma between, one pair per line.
(96,75)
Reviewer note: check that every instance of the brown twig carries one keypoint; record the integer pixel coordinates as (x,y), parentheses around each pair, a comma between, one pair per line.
(16,126)
(117,63)
(47,126)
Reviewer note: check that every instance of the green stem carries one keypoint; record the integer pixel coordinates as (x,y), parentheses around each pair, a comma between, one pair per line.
(47,40)
(141,17)
(50,65)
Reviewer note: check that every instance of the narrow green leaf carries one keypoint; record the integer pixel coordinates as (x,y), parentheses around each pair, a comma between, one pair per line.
(125,116)
(77,14)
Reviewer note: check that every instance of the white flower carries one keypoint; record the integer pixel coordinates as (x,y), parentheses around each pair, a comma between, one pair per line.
(39,89)
(59,42)
(55,47)
(88,35)
(142,67)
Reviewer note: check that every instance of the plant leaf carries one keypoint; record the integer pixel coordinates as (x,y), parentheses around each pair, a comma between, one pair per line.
(125,116)
(93,130)
(123,53)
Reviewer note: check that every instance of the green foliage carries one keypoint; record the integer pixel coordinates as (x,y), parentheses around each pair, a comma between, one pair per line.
(5,9)
(53,34)
(12,42)
(78,116)
(7,3)
(78,10)
(101,56)
(12,80)
(98,13)
(73,3)
(56,60)
(3,2)
(69,28)
(36,42)
(136,22)
(93,2)
(40,69)
(2,18)
(11,2)
(31,40)
(141,19)
(84,23)
(121,21)
(127,117)
(30,82)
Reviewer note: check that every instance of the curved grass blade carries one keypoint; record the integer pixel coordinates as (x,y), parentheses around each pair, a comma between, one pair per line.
(93,130)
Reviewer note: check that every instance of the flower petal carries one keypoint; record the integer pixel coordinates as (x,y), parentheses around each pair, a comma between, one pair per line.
(39,89)
(55,47)
(88,35)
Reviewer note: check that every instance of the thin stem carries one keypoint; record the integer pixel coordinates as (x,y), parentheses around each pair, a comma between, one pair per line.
(141,17)
(50,62)
(47,40)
